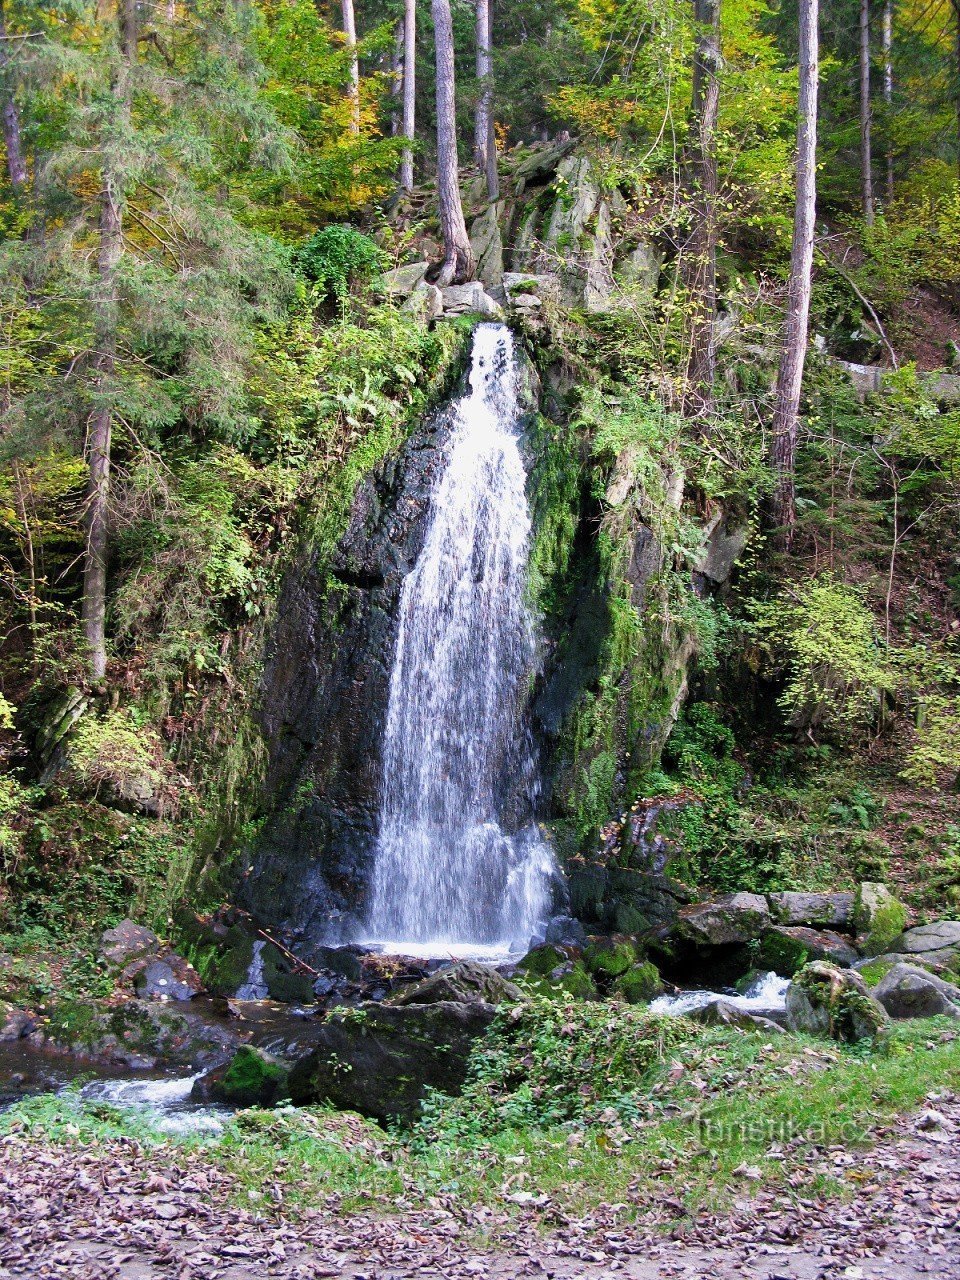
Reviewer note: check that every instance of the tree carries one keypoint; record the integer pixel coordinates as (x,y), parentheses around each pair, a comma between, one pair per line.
(12,137)
(702,245)
(409,91)
(887,47)
(484,140)
(458,264)
(153,328)
(350,39)
(793,355)
(866,115)
(100,429)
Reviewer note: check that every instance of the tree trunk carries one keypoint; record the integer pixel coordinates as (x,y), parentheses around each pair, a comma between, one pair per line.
(790,372)
(350,40)
(100,428)
(12,137)
(458,264)
(481,136)
(887,39)
(866,115)
(702,245)
(956,67)
(409,90)
(396,77)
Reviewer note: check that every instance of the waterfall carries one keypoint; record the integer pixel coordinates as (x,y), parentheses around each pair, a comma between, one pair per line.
(449,867)
(254,986)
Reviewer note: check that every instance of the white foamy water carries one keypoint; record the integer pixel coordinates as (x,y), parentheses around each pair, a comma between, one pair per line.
(254,987)
(449,871)
(768,992)
(164,1103)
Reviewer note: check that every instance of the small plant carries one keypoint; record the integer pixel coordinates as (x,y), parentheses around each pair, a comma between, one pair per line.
(337,256)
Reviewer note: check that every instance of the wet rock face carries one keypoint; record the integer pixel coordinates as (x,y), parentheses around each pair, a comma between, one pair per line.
(325,689)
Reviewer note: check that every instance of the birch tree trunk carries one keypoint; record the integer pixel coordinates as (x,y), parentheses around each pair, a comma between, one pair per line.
(396,77)
(12,137)
(702,246)
(866,116)
(790,372)
(350,40)
(481,136)
(458,264)
(409,91)
(106,302)
(887,40)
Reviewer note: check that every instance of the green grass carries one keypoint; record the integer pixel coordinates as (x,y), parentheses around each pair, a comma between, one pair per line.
(710,1106)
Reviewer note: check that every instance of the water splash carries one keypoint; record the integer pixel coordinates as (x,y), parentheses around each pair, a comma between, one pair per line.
(447,867)
(766,994)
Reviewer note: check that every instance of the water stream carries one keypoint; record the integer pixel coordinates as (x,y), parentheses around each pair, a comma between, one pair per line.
(450,871)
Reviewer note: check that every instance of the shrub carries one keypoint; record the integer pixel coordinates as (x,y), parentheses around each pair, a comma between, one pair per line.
(336,256)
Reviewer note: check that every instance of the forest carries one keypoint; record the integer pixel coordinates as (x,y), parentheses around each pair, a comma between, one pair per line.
(480,639)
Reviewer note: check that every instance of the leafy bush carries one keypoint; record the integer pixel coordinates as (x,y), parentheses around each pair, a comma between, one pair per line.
(822,636)
(547,1062)
(122,755)
(337,256)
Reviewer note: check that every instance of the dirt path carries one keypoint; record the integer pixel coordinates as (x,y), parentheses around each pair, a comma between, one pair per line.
(116,1214)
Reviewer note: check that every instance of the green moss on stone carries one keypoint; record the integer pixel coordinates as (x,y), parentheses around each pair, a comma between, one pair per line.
(609,957)
(251,1079)
(785,956)
(640,983)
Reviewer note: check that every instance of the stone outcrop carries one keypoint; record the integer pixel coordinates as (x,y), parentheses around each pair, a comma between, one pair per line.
(787,948)
(818,910)
(878,918)
(733,920)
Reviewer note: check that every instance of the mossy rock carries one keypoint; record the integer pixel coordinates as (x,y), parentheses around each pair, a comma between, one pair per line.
(874,971)
(570,978)
(281,982)
(879,919)
(542,960)
(252,1079)
(786,949)
(827,1001)
(640,984)
(229,971)
(609,957)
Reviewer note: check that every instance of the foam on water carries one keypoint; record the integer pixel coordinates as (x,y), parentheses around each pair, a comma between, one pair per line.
(164,1103)
(768,992)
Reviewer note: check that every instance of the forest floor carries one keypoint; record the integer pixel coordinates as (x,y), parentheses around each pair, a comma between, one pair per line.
(122,1211)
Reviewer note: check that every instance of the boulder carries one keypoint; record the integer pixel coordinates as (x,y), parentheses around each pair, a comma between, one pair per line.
(380,1060)
(565,931)
(139,1034)
(426,302)
(171,978)
(721,1013)
(555,970)
(469,299)
(126,942)
(608,957)
(939,936)
(907,991)
(786,949)
(639,984)
(250,1079)
(402,281)
(878,918)
(738,918)
(15,1024)
(637,901)
(826,1001)
(464,983)
(822,910)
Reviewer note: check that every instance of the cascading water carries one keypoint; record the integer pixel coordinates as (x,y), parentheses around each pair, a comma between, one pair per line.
(445,869)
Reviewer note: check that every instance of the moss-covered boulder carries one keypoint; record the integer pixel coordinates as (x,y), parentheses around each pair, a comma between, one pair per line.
(878,918)
(608,957)
(381,1059)
(786,949)
(229,969)
(826,1001)
(554,971)
(735,919)
(639,984)
(249,1079)
(464,982)
(138,1034)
